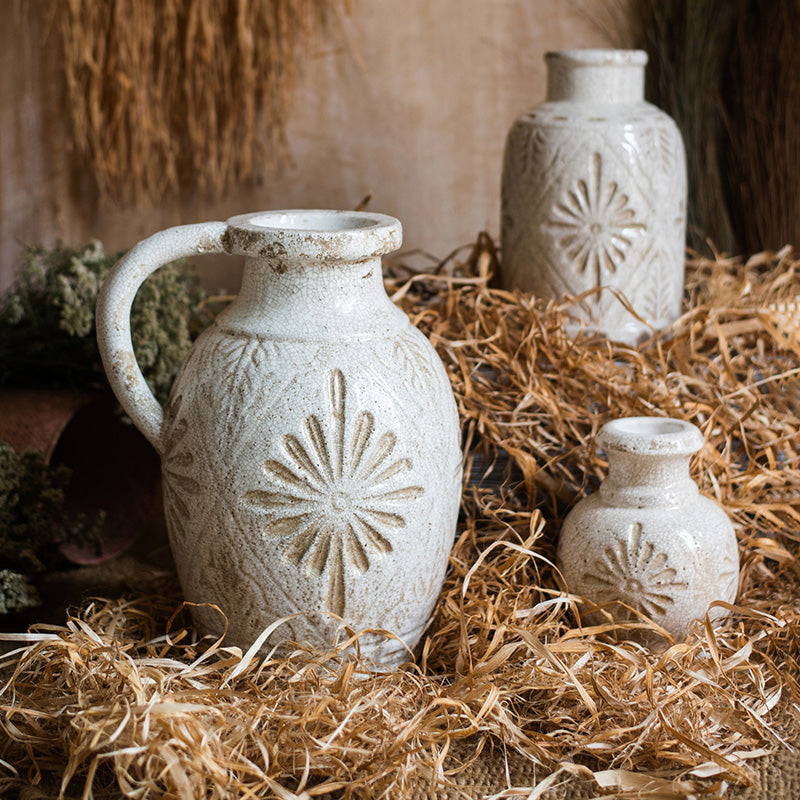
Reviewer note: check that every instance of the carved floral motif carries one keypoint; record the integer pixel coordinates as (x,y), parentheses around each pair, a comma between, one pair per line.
(414,361)
(180,488)
(336,495)
(634,572)
(595,223)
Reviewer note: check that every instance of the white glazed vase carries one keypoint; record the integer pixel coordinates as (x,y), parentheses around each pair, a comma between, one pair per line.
(594,195)
(648,538)
(310,446)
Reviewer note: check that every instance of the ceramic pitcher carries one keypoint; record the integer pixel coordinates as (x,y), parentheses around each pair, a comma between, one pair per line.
(594,195)
(648,538)
(310,446)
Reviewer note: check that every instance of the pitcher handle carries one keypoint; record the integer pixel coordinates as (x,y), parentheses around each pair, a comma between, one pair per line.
(114,316)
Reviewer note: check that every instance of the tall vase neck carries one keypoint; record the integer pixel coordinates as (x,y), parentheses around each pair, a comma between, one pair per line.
(596,76)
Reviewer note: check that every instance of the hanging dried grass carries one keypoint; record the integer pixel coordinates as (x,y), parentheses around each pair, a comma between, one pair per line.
(121,700)
(169,95)
(761,157)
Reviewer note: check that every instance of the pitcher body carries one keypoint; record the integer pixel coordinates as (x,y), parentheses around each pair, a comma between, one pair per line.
(310,446)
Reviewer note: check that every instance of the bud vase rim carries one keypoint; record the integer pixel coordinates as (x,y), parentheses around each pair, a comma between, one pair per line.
(659,436)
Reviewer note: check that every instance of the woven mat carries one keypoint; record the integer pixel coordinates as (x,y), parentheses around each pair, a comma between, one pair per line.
(775,776)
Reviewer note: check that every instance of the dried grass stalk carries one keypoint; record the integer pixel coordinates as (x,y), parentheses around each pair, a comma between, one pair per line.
(168,95)
(689,45)
(728,73)
(123,700)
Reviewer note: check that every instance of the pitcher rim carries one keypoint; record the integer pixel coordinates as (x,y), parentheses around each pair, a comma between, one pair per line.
(318,234)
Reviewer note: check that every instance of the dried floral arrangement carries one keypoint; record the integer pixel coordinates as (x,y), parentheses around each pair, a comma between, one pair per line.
(47,326)
(507,681)
(169,95)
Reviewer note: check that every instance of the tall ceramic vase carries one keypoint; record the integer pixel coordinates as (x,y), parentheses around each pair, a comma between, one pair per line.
(594,195)
(648,538)
(310,446)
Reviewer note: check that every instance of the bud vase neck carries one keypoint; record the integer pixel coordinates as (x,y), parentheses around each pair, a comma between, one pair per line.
(648,460)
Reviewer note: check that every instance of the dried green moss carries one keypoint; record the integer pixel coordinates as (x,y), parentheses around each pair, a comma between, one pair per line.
(47,329)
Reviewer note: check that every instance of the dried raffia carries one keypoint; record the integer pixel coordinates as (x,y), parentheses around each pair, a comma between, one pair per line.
(124,700)
(168,95)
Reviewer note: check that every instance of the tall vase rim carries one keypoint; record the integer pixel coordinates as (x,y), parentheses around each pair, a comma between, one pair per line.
(331,235)
(650,436)
(598,57)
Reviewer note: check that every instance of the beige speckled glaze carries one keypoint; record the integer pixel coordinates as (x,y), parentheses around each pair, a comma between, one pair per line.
(648,538)
(594,194)
(310,446)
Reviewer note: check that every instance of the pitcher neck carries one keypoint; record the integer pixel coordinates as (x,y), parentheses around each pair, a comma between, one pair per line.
(309,300)
(597,76)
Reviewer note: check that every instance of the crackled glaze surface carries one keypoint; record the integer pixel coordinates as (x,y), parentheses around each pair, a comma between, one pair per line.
(310,446)
(648,538)
(594,191)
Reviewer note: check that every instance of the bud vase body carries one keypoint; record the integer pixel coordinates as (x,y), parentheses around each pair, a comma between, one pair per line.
(648,538)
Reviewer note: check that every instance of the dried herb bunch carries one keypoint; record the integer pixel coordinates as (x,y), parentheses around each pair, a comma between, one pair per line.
(34,521)
(169,95)
(47,327)
(123,701)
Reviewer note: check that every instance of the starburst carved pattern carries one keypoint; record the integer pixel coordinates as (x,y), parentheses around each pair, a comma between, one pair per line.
(595,223)
(635,573)
(337,494)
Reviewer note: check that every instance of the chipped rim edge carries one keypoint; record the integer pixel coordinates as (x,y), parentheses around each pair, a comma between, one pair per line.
(319,234)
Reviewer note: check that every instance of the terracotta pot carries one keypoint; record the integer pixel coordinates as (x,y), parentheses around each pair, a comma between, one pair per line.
(114,469)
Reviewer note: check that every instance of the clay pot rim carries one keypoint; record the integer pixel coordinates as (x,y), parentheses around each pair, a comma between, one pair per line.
(650,436)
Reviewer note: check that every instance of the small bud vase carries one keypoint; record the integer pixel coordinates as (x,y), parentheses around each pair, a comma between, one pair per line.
(594,195)
(647,537)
